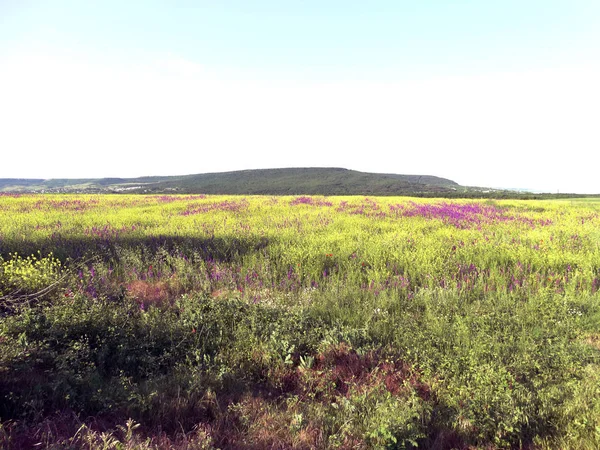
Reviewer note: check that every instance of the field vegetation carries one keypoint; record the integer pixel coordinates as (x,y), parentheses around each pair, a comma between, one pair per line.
(298,322)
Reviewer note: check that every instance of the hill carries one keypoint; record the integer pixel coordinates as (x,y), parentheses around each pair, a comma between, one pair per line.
(294,181)
(291,181)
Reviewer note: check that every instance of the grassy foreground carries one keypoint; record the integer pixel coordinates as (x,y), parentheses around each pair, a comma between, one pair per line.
(204,322)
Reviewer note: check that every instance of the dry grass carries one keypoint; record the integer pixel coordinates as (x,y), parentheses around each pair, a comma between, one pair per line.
(154,292)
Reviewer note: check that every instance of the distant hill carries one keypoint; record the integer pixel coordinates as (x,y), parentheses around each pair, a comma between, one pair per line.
(296,181)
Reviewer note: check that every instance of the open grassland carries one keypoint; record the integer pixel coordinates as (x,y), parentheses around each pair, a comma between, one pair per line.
(230,322)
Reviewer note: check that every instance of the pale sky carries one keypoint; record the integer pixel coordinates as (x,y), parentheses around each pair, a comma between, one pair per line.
(486,93)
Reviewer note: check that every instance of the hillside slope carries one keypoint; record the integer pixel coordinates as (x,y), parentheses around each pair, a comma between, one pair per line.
(295,181)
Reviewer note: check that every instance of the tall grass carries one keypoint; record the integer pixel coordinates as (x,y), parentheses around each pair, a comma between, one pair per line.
(298,322)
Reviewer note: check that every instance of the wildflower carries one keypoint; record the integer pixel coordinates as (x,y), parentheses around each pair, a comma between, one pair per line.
(193,330)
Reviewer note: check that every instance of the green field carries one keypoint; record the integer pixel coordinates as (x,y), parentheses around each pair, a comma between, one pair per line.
(258,322)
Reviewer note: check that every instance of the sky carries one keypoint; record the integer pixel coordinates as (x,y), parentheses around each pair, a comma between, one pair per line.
(486,93)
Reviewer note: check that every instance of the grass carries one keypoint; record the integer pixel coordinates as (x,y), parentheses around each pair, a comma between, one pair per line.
(298,322)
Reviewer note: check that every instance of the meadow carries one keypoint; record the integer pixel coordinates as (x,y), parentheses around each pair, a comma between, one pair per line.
(298,322)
